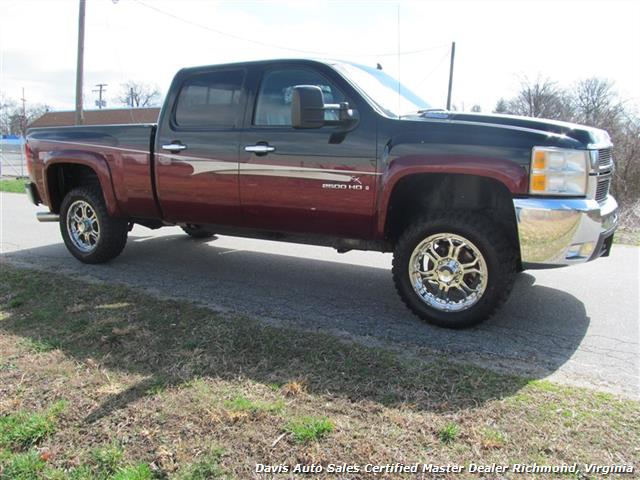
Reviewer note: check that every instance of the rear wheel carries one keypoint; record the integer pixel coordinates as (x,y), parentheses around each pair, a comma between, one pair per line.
(453,269)
(89,233)
(197,231)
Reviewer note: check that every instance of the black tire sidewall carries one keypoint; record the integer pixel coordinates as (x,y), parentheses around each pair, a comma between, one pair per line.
(489,244)
(113,231)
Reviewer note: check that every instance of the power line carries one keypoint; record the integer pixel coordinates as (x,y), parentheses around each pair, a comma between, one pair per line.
(100,103)
(433,70)
(281,47)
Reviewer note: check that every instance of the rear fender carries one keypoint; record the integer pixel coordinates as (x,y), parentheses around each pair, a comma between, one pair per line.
(95,162)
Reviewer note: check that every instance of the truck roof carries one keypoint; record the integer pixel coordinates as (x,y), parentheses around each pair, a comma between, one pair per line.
(266,62)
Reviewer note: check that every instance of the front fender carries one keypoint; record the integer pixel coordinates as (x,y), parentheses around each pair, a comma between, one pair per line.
(511,174)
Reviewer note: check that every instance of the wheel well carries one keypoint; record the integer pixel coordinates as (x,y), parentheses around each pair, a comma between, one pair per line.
(416,195)
(63,177)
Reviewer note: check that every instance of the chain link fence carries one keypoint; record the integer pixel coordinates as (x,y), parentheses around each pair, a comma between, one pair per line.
(12,161)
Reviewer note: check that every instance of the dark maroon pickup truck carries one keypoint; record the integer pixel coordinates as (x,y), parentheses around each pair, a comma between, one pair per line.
(338,154)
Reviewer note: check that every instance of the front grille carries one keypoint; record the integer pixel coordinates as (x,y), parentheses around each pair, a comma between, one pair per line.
(604,159)
(602,190)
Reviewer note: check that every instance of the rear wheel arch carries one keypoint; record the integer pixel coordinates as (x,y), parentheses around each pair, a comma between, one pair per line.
(63,175)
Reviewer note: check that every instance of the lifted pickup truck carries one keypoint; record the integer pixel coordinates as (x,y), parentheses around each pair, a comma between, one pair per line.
(342,155)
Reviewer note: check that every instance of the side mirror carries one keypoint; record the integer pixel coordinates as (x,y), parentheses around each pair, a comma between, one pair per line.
(307,107)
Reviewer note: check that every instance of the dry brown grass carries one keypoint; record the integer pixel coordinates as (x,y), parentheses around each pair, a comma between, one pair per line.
(184,390)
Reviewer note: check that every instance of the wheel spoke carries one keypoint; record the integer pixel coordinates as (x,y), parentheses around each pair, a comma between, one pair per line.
(433,250)
(470,264)
(456,251)
(83,226)
(445,262)
(451,248)
(472,270)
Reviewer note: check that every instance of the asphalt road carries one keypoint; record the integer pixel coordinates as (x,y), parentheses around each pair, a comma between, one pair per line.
(577,325)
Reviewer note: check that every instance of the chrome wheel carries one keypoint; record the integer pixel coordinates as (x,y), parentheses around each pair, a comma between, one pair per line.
(83,226)
(448,272)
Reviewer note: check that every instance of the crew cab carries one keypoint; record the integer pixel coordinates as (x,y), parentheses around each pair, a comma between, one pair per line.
(341,155)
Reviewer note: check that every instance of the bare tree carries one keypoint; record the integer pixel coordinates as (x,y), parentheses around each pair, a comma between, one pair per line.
(139,94)
(595,102)
(540,98)
(13,120)
(476,109)
(592,102)
(7,107)
(502,106)
(626,181)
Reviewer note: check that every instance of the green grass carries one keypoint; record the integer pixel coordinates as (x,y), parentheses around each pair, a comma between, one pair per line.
(243,404)
(12,185)
(205,468)
(39,345)
(107,460)
(23,466)
(152,384)
(449,433)
(136,472)
(306,429)
(23,429)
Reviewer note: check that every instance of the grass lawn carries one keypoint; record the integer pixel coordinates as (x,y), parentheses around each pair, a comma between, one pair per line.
(102,382)
(12,185)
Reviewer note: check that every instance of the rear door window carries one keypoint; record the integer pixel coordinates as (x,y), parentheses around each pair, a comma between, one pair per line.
(211,100)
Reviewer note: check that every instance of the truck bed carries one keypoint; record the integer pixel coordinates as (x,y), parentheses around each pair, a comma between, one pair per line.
(126,151)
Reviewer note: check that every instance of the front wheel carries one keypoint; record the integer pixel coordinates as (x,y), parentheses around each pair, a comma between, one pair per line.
(453,269)
(90,234)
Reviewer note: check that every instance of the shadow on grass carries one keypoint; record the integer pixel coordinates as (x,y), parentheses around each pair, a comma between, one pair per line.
(171,343)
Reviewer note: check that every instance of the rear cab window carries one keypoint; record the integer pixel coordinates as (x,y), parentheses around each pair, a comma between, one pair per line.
(211,100)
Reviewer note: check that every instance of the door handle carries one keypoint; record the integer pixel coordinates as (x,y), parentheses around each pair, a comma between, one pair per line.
(259,148)
(174,147)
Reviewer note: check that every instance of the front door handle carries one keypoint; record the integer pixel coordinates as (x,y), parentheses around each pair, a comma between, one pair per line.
(260,148)
(174,147)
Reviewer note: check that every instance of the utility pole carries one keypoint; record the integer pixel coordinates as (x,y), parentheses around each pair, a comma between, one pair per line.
(131,96)
(80,65)
(100,103)
(23,130)
(453,56)
(23,121)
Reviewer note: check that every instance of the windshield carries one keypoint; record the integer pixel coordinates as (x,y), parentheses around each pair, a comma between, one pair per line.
(392,98)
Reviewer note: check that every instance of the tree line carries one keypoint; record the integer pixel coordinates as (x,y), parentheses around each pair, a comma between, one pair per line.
(594,102)
(15,119)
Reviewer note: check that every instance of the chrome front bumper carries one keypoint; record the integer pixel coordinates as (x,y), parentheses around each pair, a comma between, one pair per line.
(559,232)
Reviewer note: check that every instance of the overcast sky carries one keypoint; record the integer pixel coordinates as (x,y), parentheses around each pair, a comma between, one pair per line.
(497,42)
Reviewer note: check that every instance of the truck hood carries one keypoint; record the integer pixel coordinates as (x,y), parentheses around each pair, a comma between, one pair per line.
(589,137)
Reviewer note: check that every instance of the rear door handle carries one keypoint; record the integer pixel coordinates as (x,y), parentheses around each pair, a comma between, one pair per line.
(260,148)
(174,147)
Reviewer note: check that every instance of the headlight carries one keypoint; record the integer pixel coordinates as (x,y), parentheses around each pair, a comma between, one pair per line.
(558,171)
